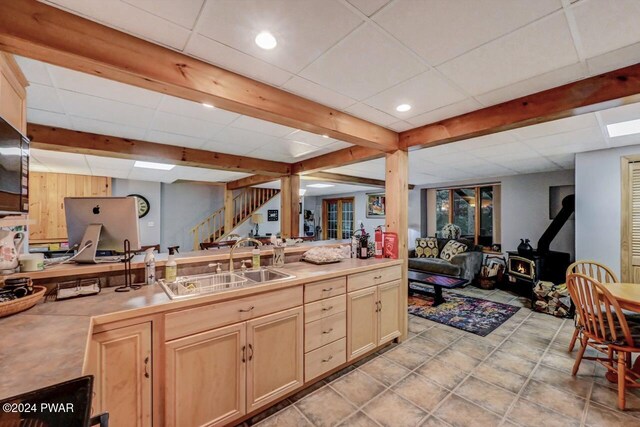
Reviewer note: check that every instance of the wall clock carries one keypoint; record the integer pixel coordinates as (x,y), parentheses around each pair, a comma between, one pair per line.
(143,205)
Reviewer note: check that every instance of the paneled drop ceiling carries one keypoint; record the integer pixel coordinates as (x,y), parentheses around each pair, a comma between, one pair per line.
(366,57)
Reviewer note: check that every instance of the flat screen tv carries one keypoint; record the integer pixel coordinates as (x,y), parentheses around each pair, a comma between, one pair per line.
(14,170)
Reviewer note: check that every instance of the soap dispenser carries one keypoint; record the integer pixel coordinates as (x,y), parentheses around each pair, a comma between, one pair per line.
(171,267)
(150,267)
(255,258)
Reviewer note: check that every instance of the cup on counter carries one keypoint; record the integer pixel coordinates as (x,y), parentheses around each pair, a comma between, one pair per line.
(31,262)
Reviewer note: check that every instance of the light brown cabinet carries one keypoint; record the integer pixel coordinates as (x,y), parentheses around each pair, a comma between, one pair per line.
(121,363)
(205,377)
(373,318)
(12,93)
(215,377)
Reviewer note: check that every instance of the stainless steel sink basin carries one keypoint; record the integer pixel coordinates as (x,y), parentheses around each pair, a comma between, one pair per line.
(265,275)
(202,284)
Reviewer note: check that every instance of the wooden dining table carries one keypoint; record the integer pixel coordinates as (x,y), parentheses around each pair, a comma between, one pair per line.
(628,296)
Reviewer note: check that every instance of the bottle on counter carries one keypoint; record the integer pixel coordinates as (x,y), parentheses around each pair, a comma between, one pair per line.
(255,258)
(171,267)
(150,267)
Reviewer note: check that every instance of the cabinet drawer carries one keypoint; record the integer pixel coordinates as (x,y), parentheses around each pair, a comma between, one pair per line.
(374,277)
(325,289)
(324,331)
(324,308)
(194,320)
(325,359)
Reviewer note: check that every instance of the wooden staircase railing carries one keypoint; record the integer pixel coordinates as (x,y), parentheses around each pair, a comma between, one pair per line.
(245,203)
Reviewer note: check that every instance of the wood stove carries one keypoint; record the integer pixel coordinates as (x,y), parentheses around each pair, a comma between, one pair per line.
(526,268)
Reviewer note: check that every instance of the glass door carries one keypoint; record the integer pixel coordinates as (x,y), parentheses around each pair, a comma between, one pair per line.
(338,218)
(347,218)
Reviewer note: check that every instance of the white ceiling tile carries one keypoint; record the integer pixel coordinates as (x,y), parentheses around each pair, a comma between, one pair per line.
(401,126)
(538,48)
(621,113)
(62,162)
(106,128)
(183,13)
(554,78)
(368,7)
(613,60)
(183,125)
(284,150)
(236,149)
(440,30)
(129,19)
(112,173)
(34,71)
(48,118)
(425,92)
(607,25)
(371,114)
(564,160)
(105,110)
(569,142)
(262,126)
(88,84)
(142,174)
(239,140)
(568,124)
(310,138)
(514,150)
(437,151)
(622,141)
(365,52)
(195,110)
(223,56)
(315,92)
(43,98)
(492,140)
(452,110)
(533,165)
(303,29)
(96,162)
(174,139)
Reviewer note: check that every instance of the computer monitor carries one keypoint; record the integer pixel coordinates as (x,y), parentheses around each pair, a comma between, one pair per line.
(101,223)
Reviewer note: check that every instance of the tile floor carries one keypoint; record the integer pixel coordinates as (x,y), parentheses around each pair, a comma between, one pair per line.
(519,375)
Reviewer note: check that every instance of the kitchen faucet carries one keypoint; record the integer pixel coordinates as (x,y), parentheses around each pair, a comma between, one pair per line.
(238,243)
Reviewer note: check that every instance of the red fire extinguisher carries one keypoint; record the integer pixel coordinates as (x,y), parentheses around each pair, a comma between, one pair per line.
(391,245)
(378,242)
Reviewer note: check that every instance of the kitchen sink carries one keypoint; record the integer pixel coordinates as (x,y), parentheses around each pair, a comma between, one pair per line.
(203,284)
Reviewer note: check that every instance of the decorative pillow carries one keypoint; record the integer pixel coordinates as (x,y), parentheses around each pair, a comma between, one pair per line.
(427,247)
(451,249)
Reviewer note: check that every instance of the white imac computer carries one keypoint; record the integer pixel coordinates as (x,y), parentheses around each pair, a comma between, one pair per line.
(101,223)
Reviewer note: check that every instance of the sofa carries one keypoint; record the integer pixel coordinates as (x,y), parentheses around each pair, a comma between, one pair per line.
(463,265)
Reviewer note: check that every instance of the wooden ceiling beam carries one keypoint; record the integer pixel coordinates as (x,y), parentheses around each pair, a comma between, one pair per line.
(36,30)
(344,157)
(347,179)
(71,141)
(250,181)
(595,93)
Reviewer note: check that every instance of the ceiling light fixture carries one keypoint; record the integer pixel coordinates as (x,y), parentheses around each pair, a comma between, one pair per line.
(266,40)
(403,108)
(302,191)
(204,104)
(624,128)
(320,185)
(151,165)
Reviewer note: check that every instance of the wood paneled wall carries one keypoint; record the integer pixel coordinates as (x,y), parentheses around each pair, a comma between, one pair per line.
(46,201)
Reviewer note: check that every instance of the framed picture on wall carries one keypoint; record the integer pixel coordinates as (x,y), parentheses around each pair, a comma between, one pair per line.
(272,215)
(376,205)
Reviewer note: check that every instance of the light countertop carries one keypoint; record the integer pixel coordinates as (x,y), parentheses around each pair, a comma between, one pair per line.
(48,343)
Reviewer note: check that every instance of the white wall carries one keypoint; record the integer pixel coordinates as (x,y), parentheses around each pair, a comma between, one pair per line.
(150,225)
(272,227)
(524,201)
(598,205)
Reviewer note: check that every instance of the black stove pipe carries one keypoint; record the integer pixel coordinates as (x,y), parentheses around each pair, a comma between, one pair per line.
(568,207)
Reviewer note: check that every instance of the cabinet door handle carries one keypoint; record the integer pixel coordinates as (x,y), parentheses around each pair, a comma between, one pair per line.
(146,367)
(327,289)
(377,277)
(328,332)
(250,352)
(379,305)
(244,348)
(327,308)
(242,310)
(327,359)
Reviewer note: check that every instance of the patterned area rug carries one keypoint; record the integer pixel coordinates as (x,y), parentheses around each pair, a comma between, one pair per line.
(474,315)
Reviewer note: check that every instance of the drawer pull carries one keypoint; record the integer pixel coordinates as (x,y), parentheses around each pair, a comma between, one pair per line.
(327,359)
(244,348)
(247,310)
(377,277)
(328,332)
(327,289)
(146,367)
(250,352)
(327,308)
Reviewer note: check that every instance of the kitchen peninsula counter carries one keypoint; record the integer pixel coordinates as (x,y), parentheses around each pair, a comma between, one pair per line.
(49,343)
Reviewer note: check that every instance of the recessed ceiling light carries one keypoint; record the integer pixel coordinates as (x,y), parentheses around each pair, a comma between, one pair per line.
(204,104)
(320,185)
(151,165)
(325,136)
(403,108)
(624,128)
(266,40)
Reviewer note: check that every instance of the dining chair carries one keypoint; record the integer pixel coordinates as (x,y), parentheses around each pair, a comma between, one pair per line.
(216,245)
(604,327)
(595,270)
